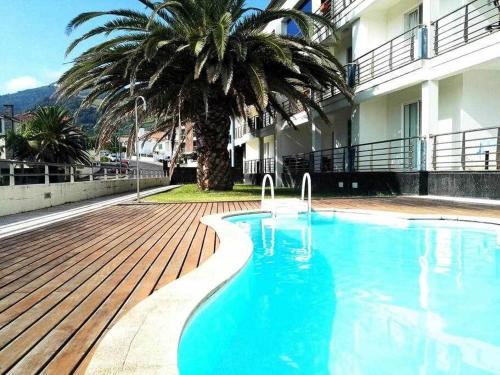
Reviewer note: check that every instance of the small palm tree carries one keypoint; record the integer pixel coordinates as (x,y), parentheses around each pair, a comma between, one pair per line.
(50,136)
(18,144)
(204,61)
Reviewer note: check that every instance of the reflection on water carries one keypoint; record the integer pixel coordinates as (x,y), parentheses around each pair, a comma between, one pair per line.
(327,295)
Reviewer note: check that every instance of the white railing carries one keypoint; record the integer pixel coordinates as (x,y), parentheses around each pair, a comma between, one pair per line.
(15,172)
(307,179)
(266,178)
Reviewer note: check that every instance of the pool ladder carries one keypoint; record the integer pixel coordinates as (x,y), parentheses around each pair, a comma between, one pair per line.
(286,206)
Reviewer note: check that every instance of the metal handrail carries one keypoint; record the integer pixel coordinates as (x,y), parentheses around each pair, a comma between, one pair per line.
(258,123)
(399,154)
(465,24)
(259,166)
(394,54)
(458,151)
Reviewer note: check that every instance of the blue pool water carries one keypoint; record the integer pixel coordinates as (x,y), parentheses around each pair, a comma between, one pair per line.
(330,295)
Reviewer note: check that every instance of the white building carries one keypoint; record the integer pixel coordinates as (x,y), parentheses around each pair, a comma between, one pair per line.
(426,74)
(158,145)
(8,122)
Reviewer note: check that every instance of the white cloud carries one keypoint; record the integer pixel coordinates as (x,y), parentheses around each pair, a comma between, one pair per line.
(21,83)
(53,75)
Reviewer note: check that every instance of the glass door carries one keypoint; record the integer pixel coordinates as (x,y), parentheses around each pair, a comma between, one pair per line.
(411,130)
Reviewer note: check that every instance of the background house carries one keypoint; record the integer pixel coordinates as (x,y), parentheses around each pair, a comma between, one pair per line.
(8,122)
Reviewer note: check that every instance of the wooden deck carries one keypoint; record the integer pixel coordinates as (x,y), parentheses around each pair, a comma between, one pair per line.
(63,286)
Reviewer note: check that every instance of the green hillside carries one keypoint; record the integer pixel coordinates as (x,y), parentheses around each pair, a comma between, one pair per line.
(27,100)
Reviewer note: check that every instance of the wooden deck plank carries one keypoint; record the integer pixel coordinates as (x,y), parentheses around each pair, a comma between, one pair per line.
(181,241)
(89,331)
(47,316)
(63,286)
(115,236)
(12,243)
(209,240)
(56,249)
(192,257)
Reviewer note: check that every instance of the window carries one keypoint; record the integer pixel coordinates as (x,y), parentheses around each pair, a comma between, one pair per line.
(413,18)
(267,150)
(1,127)
(411,120)
(291,27)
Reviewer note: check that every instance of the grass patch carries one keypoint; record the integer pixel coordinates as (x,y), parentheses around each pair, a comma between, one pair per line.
(190,193)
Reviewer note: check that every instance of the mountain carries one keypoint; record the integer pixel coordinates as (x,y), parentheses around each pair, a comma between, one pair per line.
(28,100)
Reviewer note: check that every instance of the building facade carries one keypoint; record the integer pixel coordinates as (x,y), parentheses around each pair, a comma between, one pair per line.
(8,122)
(426,77)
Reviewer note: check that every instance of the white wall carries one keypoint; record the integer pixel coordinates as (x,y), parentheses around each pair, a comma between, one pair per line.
(294,141)
(450,98)
(35,197)
(381,118)
(368,33)
(338,127)
(252,149)
(443,7)
(481,99)
(380,24)
(372,120)
(269,147)
(469,101)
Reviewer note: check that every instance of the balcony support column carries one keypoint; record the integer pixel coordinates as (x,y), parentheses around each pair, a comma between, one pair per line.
(430,117)
(430,12)
(316,133)
(260,166)
(278,151)
(232,145)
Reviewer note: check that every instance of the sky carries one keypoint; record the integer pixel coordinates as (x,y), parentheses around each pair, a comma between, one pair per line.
(33,39)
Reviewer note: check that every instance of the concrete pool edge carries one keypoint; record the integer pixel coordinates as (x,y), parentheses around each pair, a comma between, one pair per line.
(146,339)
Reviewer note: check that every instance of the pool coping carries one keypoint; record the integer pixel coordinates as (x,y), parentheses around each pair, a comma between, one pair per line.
(146,339)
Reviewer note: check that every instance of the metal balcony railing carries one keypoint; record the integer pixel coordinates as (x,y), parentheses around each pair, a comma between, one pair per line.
(394,54)
(395,155)
(292,108)
(471,150)
(13,172)
(397,53)
(254,124)
(258,166)
(240,131)
(337,11)
(473,21)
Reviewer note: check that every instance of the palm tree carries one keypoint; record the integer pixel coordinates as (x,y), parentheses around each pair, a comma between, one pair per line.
(50,136)
(204,61)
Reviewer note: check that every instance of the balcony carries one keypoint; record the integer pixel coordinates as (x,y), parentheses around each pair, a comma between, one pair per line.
(263,166)
(397,53)
(253,125)
(394,155)
(338,14)
(471,22)
(472,150)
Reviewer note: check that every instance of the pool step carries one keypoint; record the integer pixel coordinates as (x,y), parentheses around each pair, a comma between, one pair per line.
(292,206)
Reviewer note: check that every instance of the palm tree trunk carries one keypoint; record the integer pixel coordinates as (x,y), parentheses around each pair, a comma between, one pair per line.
(212,133)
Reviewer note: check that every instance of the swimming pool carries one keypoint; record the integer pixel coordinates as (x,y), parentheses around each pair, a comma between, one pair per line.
(344,294)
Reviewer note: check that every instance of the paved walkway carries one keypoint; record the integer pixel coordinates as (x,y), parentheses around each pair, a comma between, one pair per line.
(63,286)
